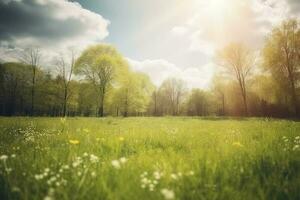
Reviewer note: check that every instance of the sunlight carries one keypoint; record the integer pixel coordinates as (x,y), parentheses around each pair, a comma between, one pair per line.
(218,9)
(154,100)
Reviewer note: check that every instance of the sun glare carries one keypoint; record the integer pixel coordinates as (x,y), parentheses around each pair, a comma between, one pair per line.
(218,9)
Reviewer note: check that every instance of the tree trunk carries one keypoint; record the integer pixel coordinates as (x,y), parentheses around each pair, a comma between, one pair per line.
(65,102)
(33,92)
(243,92)
(126,108)
(245,104)
(155,104)
(223,104)
(101,107)
(294,98)
(100,112)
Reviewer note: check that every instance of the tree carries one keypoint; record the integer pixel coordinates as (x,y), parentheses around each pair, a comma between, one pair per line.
(173,90)
(155,102)
(219,87)
(237,61)
(133,97)
(31,56)
(100,65)
(198,103)
(65,70)
(14,87)
(281,57)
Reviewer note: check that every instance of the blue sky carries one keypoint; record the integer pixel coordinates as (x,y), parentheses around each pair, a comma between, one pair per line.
(162,38)
(141,29)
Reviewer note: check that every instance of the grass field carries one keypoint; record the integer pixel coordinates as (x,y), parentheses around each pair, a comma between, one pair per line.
(149,158)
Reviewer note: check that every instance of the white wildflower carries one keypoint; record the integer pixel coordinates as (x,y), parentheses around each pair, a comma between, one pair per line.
(66,167)
(8,170)
(51,191)
(45,173)
(286,140)
(48,198)
(145,181)
(85,154)
(151,187)
(93,174)
(191,173)
(174,176)
(296,147)
(123,160)
(94,158)
(76,163)
(168,194)
(157,175)
(38,177)
(3,157)
(116,164)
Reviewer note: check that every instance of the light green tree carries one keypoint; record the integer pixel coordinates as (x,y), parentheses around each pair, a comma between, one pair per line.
(237,61)
(173,91)
(133,95)
(281,57)
(102,66)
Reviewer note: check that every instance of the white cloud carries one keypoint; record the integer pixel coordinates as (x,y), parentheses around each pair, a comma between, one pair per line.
(159,70)
(179,30)
(52,25)
(213,24)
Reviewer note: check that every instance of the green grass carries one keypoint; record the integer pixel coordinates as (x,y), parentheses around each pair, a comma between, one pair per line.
(192,157)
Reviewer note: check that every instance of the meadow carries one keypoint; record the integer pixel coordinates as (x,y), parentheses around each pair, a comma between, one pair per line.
(149,158)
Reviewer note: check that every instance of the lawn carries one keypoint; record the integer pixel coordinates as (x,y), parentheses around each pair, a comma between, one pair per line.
(149,158)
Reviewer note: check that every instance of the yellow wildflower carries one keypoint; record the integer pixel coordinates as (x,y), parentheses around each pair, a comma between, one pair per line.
(86,130)
(237,144)
(74,141)
(121,138)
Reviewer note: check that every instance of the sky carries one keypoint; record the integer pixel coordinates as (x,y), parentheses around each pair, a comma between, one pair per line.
(162,38)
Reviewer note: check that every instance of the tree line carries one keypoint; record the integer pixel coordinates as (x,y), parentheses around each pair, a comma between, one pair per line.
(99,82)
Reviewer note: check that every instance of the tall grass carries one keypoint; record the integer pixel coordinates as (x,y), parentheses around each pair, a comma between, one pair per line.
(149,158)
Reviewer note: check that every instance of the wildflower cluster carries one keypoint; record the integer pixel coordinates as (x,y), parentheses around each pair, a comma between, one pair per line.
(52,178)
(150,182)
(296,143)
(50,194)
(118,163)
(167,193)
(3,160)
(290,144)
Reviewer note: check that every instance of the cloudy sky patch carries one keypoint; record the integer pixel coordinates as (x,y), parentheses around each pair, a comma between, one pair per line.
(160,38)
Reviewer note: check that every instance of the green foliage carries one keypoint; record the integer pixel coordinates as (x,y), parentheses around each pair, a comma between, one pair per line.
(199,103)
(133,95)
(281,58)
(96,58)
(103,67)
(196,158)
